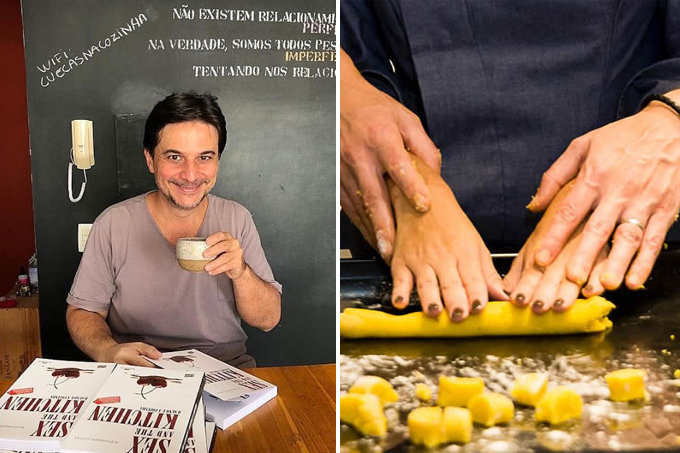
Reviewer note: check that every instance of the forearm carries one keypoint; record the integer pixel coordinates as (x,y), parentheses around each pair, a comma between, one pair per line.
(349,74)
(258,302)
(354,88)
(90,333)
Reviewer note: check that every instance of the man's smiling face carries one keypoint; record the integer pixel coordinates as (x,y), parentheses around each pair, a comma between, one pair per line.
(185,163)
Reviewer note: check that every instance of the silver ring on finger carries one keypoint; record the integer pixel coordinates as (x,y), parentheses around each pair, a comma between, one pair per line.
(633,221)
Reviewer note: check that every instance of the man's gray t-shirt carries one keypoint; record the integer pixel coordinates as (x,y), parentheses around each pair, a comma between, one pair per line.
(129,269)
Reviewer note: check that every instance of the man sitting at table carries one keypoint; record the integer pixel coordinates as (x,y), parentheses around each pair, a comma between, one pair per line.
(130,298)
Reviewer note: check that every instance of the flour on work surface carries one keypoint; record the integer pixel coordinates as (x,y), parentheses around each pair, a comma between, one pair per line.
(604,424)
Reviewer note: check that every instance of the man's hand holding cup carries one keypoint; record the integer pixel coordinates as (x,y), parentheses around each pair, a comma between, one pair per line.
(226,254)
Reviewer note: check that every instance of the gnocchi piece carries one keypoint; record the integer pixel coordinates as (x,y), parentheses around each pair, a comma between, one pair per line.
(424,426)
(529,388)
(423,392)
(626,385)
(491,409)
(432,426)
(376,386)
(363,411)
(457,391)
(457,424)
(559,405)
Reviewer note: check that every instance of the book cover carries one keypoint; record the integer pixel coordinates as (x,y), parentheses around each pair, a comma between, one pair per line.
(138,410)
(196,440)
(209,435)
(221,380)
(43,405)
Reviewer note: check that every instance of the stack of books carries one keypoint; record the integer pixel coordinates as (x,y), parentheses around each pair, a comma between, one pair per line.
(229,394)
(79,407)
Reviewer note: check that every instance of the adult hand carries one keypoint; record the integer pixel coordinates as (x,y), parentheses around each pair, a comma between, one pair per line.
(546,288)
(376,133)
(131,354)
(443,252)
(229,255)
(628,174)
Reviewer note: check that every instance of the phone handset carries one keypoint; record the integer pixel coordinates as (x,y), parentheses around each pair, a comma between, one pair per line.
(82,153)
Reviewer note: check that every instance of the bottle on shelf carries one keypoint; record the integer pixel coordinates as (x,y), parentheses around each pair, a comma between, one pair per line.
(33,271)
(24,284)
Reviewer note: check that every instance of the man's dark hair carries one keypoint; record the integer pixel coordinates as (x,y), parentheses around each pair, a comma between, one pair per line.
(181,107)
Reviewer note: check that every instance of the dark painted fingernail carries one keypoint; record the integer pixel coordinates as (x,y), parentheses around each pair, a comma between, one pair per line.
(558,304)
(476,307)
(507,293)
(457,315)
(537,306)
(399,300)
(520,299)
(588,287)
(433,309)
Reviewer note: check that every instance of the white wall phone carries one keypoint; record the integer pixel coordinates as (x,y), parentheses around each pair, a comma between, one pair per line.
(82,153)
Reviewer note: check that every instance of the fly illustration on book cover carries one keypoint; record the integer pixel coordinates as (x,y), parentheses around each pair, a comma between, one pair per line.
(67,374)
(183,359)
(156,382)
(188,357)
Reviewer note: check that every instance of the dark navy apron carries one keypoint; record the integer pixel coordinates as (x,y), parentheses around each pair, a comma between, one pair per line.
(504,86)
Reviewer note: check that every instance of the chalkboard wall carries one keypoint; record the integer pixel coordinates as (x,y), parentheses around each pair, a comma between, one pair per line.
(272,66)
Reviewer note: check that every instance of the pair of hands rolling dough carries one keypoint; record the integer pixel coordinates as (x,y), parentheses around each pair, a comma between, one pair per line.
(453,269)
(627,169)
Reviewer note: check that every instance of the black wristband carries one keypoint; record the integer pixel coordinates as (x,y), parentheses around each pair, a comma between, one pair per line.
(661,98)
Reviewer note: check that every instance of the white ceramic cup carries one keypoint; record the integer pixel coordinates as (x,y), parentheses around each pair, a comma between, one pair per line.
(190,254)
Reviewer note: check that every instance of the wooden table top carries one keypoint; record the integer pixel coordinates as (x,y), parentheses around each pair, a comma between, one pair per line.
(301,419)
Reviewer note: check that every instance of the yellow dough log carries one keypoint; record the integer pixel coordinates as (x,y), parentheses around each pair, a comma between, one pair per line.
(491,409)
(626,385)
(498,318)
(423,392)
(376,386)
(432,426)
(529,388)
(457,391)
(559,405)
(364,412)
